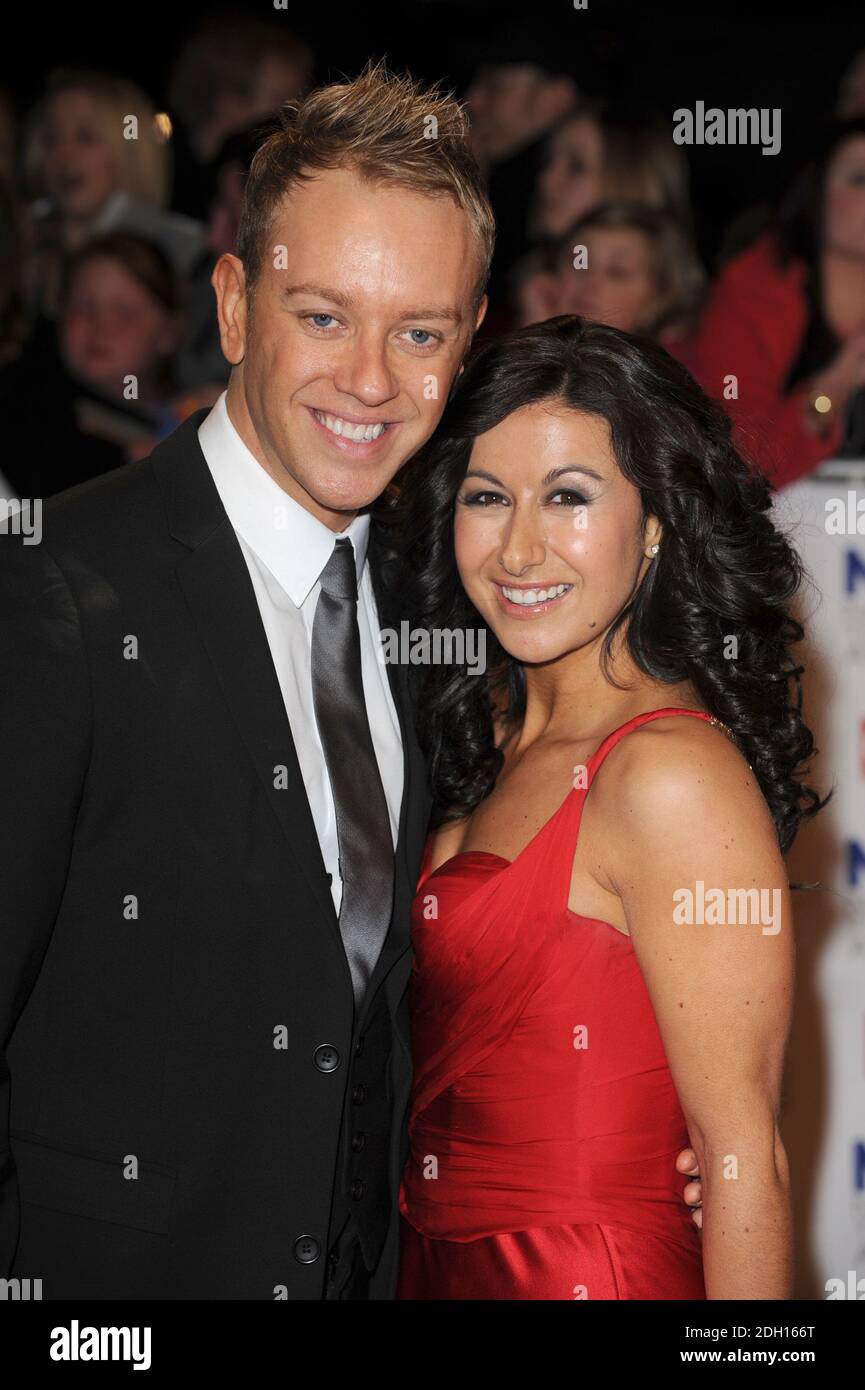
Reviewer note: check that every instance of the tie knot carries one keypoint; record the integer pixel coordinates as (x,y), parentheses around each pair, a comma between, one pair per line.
(339,576)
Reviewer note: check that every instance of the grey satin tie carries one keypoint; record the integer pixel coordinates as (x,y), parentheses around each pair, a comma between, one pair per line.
(366,857)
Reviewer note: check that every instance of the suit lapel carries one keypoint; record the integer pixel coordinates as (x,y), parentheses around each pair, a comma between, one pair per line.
(215,582)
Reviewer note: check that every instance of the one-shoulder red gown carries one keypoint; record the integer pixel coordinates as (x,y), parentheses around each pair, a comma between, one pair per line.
(543,1123)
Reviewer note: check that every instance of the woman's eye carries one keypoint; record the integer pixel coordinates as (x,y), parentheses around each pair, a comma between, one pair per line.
(572,499)
(482,499)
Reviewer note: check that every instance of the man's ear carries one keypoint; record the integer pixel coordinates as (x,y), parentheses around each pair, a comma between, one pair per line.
(229,282)
(479,318)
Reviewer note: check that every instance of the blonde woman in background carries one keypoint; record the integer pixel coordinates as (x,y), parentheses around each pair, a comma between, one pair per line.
(603,152)
(599,154)
(97,160)
(625,265)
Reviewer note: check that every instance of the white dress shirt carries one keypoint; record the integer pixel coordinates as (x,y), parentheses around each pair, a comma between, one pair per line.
(286,548)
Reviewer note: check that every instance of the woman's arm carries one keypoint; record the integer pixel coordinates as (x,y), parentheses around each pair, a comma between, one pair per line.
(748,336)
(689,818)
(769,427)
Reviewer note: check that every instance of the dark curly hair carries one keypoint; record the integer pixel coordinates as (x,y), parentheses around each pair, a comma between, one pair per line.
(723,567)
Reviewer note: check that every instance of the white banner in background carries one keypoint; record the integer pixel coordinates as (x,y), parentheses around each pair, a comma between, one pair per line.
(824,1101)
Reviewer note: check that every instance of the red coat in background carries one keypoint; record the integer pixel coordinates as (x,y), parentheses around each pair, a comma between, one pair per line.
(752,327)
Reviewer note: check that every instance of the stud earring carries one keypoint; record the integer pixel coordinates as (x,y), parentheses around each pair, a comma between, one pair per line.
(653,549)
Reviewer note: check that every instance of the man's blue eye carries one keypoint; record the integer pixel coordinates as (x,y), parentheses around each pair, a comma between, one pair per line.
(320,316)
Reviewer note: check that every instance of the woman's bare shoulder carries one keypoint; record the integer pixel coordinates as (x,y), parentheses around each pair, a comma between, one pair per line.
(676,773)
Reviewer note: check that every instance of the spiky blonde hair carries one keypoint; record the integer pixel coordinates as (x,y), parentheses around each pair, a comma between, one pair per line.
(389,128)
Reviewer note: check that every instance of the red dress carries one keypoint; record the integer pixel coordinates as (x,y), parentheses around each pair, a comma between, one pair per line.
(543,1123)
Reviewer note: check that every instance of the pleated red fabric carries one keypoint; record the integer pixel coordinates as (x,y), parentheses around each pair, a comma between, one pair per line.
(543,1124)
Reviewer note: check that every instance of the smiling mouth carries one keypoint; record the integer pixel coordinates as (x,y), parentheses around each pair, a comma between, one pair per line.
(354,432)
(534,598)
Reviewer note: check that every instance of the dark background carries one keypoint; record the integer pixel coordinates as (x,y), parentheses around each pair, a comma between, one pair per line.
(726,54)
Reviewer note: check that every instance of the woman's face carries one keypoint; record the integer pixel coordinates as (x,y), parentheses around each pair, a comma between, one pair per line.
(617,285)
(571,181)
(844,199)
(79,166)
(112,328)
(548,532)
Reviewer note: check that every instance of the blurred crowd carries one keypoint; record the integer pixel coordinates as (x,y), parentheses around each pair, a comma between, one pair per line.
(113,211)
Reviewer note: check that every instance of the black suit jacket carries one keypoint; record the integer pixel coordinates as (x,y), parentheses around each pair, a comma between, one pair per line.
(171,957)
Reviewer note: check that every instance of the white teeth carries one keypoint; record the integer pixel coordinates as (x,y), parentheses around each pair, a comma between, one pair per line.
(358,434)
(526,597)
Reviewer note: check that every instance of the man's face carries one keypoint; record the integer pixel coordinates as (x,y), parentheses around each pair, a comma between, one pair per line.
(503,105)
(361,315)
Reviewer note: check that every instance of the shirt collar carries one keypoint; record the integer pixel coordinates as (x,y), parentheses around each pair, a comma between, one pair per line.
(293,544)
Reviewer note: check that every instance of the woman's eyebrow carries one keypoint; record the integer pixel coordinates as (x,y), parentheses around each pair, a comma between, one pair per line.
(571,468)
(479,473)
(550,477)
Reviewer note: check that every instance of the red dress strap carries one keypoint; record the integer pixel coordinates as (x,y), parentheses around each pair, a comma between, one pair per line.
(563,826)
(612,739)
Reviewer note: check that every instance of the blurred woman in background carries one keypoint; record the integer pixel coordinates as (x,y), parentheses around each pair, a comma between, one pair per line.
(120,319)
(605,152)
(98,391)
(782,339)
(623,264)
(97,160)
(600,153)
